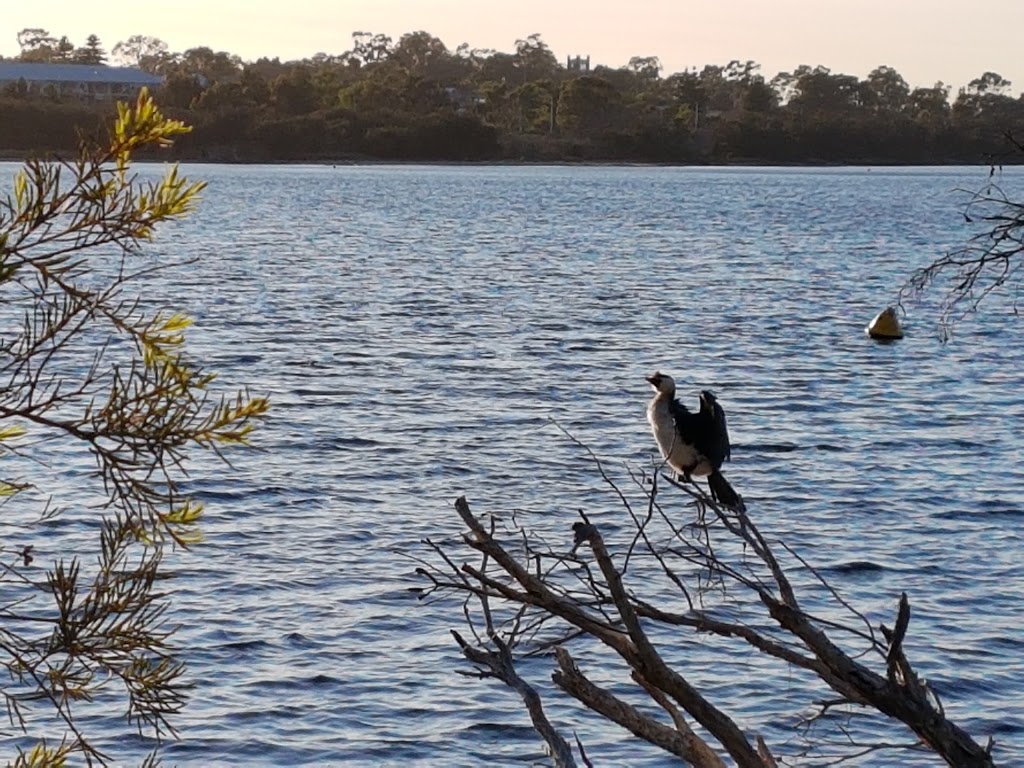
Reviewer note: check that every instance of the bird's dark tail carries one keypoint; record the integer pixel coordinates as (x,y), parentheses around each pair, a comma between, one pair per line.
(723,493)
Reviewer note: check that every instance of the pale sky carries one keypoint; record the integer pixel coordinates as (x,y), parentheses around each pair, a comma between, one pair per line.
(924,40)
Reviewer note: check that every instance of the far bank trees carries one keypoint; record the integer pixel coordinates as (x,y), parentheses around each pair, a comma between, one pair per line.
(416,98)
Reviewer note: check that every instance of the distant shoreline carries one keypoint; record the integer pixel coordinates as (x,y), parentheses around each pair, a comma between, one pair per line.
(21,157)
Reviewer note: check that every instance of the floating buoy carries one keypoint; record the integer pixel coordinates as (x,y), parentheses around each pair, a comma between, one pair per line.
(886,325)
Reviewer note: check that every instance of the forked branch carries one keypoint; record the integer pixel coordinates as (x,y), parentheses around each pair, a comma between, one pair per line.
(723,552)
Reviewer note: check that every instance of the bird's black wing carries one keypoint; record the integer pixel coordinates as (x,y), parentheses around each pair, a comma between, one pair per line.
(687,423)
(722,433)
(714,430)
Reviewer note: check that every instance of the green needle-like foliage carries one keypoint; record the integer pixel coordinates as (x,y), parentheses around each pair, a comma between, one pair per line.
(84,367)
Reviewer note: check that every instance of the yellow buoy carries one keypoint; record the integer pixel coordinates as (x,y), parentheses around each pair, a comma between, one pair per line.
(886,325)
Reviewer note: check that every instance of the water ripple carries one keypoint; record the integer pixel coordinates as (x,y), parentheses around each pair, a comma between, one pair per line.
(418,331)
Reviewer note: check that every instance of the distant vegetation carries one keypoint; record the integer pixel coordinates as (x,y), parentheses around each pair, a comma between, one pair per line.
(415,99)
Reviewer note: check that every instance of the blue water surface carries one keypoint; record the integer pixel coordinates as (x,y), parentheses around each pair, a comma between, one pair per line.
(420,328)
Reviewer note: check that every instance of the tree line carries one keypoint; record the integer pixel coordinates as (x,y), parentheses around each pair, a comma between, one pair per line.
(416,99)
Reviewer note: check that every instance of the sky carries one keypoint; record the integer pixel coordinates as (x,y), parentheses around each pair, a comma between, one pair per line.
(924,40)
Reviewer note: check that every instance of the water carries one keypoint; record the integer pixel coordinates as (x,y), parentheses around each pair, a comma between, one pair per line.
(418,329)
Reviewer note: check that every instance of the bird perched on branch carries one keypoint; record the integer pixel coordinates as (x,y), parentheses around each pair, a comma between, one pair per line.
(691,443)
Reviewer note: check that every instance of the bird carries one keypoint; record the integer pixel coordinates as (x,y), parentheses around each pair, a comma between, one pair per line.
(692,444)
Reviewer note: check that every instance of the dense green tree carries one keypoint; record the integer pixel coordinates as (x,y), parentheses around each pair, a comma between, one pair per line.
(180,90)
(368,48)
(36,44)
(267,68)
(209,65)
(64,51)
(534,107)
(888,90)
(394,89)
(294,93)
(425,55)
(647,68)
(533,60)
(90,53)
(930,105)
(989,83)
(140,51)
(819,90)
(690,97)
(34,123)
(784,85)
(470,61)
(741,71)
(255,89)
(496,107)
(589,105)
(759,96)
(721,89)
(985,103)
(499,68)
(623,79)
(222,97)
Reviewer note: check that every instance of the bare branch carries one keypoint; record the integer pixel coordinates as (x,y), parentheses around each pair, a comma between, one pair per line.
(499,664)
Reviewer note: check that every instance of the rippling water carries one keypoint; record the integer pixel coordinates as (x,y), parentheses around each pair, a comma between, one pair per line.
(418,328)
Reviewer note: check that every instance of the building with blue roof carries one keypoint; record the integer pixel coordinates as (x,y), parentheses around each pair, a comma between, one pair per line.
(85,82)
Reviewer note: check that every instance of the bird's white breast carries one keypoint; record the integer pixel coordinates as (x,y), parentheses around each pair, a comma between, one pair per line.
(680,457)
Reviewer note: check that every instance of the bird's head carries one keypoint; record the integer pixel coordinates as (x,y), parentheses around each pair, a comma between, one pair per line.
(662,383)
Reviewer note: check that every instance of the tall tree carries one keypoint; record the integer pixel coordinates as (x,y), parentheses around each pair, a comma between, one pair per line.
(819,90)
(784,85)
(930,105)
(368,48)
(759,96)
(34,37)
(138,49)
(394,90)
(987,95)
(888,90)
(422,54)
(534,59)
(741,71)
(989,83)
(209,65)
(91,53)
(294,93)
(690,97)
(64,51)
(533,107)
(36,44)
(647,68)
(589,105)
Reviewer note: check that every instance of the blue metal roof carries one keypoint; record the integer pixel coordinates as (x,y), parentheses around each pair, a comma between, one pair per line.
(12,71)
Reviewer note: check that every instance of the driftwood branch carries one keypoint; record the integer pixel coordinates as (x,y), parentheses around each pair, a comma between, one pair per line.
(680,740)
(499,664)
(650,664)
(722,553)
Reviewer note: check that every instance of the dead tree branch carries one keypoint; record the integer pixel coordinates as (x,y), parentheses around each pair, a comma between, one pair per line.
(499,664)
(722,554)
(992,260)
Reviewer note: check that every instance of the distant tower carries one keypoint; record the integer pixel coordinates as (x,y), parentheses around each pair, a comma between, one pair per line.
(577,64)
